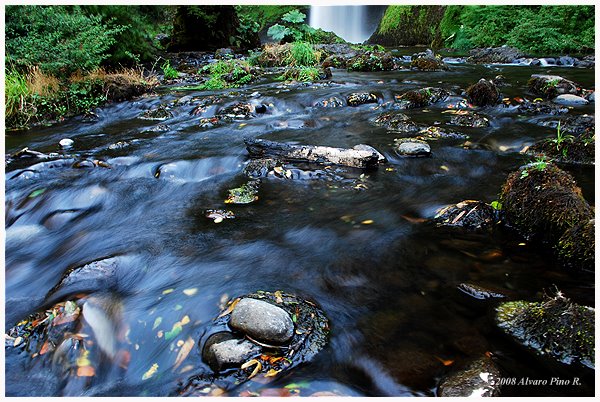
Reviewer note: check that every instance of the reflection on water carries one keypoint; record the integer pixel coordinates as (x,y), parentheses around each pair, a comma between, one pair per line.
(387,281)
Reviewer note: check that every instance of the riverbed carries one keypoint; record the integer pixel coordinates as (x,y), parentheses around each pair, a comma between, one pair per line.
(385,276)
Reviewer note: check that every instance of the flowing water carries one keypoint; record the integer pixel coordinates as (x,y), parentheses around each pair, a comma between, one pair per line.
(389,287)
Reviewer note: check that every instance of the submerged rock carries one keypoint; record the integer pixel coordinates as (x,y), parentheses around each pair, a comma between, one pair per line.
(162,112)
(480,292)
(469,119)
(502,55)
(551,86)
(262,321)
(361,98)
(539,106)
(396,122)
(556,327)
(237,111)
(260,167)
(244,194)
(223,351)
(412,147)
(468,214)
(480,378)
(422,97)
(483,93)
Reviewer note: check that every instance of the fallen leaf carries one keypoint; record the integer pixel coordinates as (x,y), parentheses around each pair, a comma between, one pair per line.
(151,371)
(86,371)
(230,308)
(367,222)
(167,291)
(257,368)
(46,347)
(413,219)
(272,373)
(184,352)
(445,362)
(36,193)
(185,320)
(190,292)
(278,297)
(83,360)
(157,322)
(18,340)
(177,327)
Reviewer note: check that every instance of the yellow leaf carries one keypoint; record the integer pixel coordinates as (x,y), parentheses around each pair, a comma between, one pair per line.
(190,292)
(151,371)
(367,222)
(250,364)
(185,320)
(83,360)
(271,373)
(167,291)
(184,352)
(444,167)
(278,297)
(230,308)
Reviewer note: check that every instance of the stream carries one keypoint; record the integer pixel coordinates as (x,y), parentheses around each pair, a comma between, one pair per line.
(386,279)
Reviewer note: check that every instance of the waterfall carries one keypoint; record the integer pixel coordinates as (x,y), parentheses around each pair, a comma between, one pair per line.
(349,22)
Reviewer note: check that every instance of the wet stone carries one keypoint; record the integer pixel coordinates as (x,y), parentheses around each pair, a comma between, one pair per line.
(481,378)
(412,147)
(66,143)
(570,100)
(159,128)
(551,86)
(361,98)
(469,119)
(160,113)
(428,63)
(262,321)
(480,292)
(238,111)
(260,167)
(365,147)
(218,215)
(483,93)
(396,122)
(331,102)
(223,351)
(468,214)
(541,107)
(422,97)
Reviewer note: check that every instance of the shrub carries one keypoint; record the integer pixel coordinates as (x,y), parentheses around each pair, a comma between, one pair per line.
(168,71)
(293,29)
(303,54)
(58,39)
(227,74)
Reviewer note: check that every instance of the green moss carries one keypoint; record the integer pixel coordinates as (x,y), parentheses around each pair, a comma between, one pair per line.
(555,326)
(301,74)
(577,246)
(392,16)
(227,74)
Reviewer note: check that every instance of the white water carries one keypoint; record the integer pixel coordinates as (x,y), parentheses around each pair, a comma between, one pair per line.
(349,22)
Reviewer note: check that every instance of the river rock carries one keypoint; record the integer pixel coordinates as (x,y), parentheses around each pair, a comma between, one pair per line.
(576,247)
(570,100)
(480,292)
(565,61)
(503,55)
(361,98)
(224,53)
(162,112)
(396,122)
(540,107)
(555,327)
(468,214)
(260,167)
(237,111)
(469,119)
(551,86)
(428,63)
(412,147)
(365,147)
(222,351)
(66,143)
(330,102)
(480,378)
(483,93)
(262,321)
(371,61)
(421,97)
(591,97)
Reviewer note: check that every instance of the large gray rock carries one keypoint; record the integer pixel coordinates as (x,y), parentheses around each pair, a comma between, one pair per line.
(570,100)
(223,351)
(480,378)
(262,321)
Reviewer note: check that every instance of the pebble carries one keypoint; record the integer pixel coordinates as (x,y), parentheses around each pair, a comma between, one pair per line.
(408,147)
(66,143)
(570,100)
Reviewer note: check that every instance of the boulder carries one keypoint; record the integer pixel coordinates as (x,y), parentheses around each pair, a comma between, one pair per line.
(480,378)
(161,112)
(428,63)
(540,107)
(550,86)
(330,102)
(577,246)
(262,321)
(421,97)
(396,122)
(371,61)
(500,55)
(483,93)
(412,147)
(555,327)
(570,100)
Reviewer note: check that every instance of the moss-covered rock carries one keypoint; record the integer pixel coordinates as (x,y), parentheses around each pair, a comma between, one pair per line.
(577,245)
(371,61)
(479,378)
(502,54)
(543,201)
(550,86)
(468,214)
(469,119)
(409,26)
(427,63)
(421,97)
(556,327)
(361,98)
(396,122)
(483,93)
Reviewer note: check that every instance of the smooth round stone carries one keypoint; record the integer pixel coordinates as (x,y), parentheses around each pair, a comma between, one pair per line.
(262,321)
(66,143)
(414,149)
(222,351)
(570,100)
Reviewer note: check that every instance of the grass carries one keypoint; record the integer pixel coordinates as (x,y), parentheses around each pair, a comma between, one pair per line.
(16,92)
(301,74)
(288,55)
(169,72)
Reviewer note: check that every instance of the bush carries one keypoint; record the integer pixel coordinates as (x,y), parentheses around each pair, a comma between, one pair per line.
(57,39)
(303,54)
(227,74)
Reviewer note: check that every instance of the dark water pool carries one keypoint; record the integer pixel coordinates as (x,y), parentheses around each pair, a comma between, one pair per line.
(388,287)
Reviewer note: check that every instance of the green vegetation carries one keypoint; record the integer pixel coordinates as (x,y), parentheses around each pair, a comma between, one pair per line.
(265,16)
(15,93)
(287,54)
(536,29)
(393,15)
(293,28)
(226,74)
(301,74)
(169,72)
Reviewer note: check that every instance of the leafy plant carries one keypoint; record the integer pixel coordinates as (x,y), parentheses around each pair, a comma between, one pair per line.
(227,74)
(168,71)
(293,30)
(301,74)
(15,93)
(561,138)
(303,54)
